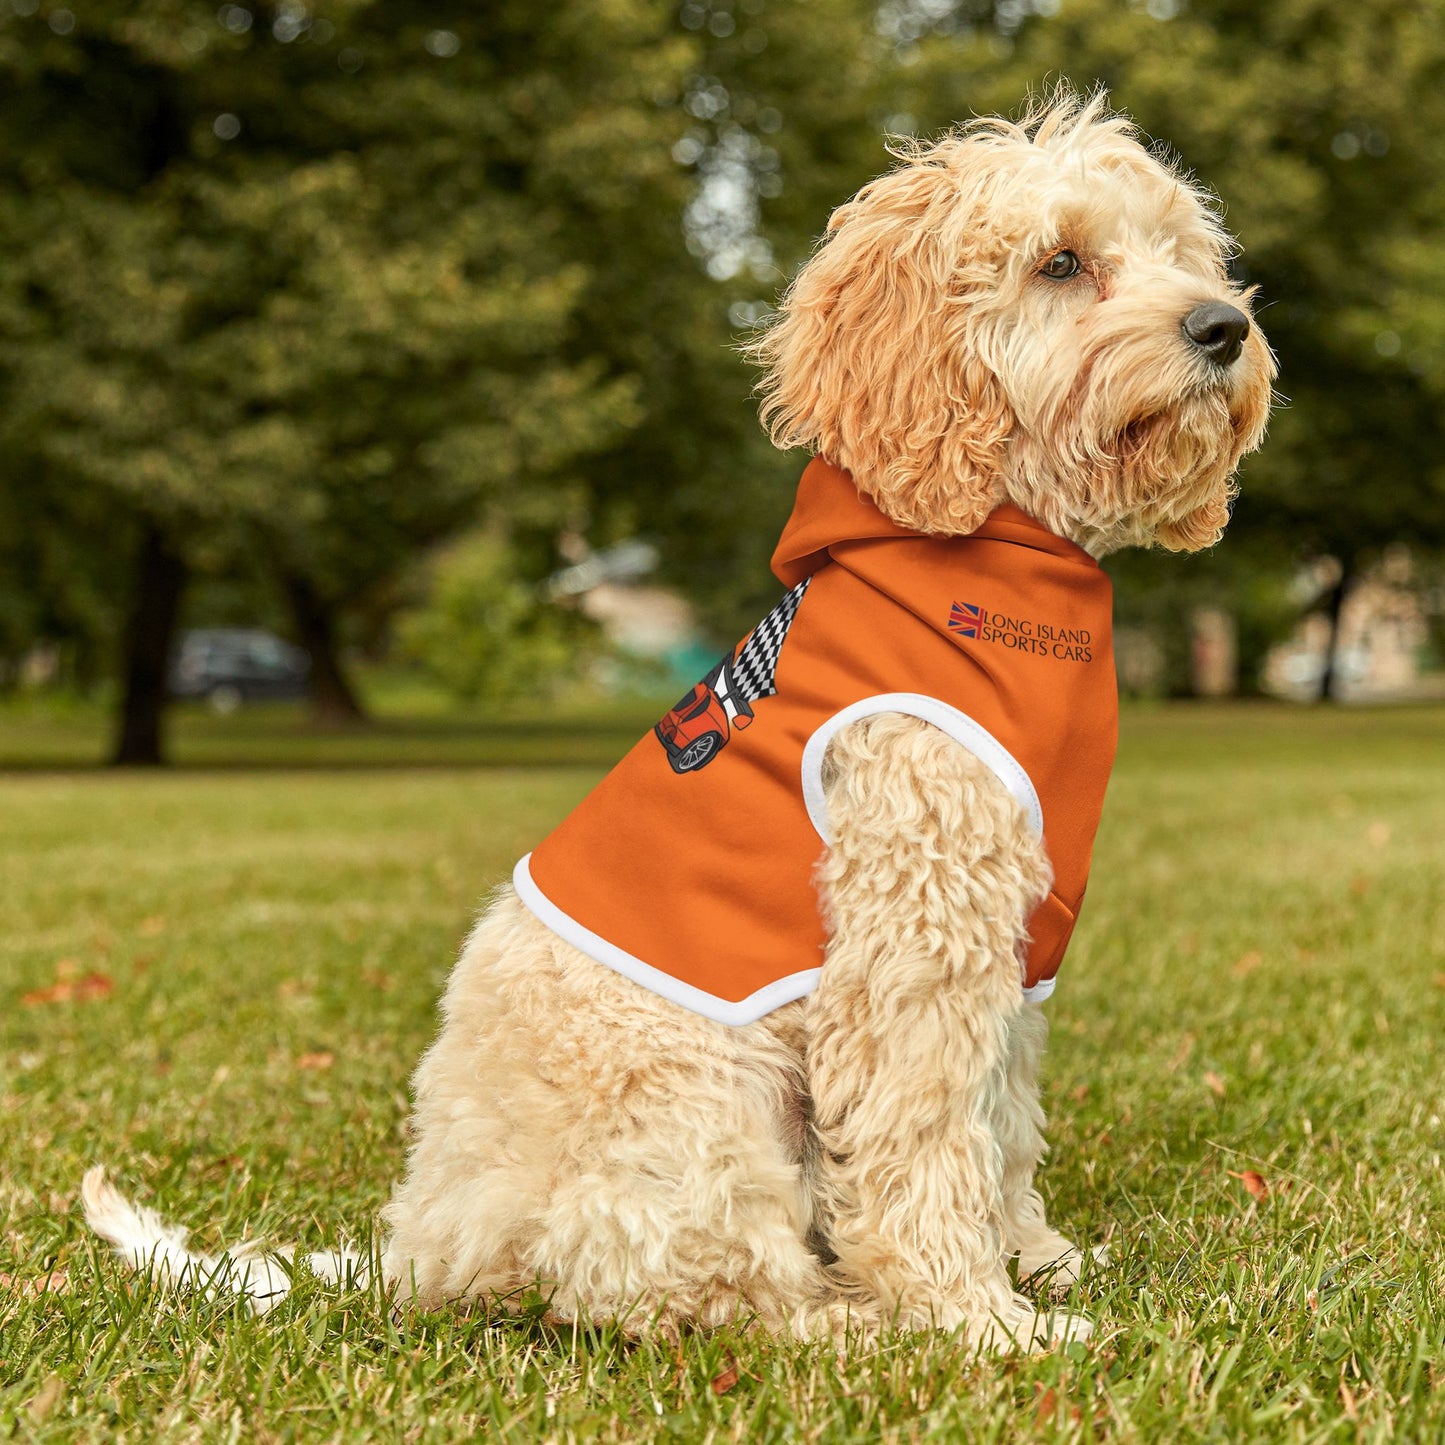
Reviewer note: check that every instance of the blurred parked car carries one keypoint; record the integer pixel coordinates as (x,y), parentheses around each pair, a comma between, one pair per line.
(230,665)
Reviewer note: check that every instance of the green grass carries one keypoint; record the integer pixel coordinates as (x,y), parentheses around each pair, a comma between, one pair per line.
(1256,985)
(42,735)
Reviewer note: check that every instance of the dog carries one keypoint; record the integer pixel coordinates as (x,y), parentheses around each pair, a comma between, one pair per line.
(699,1064)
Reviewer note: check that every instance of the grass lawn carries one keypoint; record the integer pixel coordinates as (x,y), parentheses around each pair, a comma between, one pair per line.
(217,979)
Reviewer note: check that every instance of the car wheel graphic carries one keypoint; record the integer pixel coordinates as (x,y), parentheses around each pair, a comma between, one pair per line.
(699,751)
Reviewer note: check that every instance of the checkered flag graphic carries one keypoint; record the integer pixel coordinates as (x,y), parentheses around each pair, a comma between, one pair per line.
(755,666)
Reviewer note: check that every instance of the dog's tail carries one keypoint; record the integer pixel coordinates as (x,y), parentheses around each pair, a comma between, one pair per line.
(147,1243)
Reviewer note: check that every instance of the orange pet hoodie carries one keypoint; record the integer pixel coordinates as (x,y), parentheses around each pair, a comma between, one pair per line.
(689,867)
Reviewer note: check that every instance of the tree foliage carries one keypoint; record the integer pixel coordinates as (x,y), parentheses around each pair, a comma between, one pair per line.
(316,286)
(484,633)
(306,290)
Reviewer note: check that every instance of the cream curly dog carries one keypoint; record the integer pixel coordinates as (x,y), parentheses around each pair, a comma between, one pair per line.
(1031,316)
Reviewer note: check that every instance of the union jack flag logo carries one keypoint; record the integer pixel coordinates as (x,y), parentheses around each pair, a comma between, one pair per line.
(965,619)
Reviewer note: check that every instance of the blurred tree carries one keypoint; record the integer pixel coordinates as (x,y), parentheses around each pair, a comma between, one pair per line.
(782,108)
(306,282)
(329,283)
(484,632)
(58,570)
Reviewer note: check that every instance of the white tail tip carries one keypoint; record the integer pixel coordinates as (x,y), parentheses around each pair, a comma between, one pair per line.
(148,1244)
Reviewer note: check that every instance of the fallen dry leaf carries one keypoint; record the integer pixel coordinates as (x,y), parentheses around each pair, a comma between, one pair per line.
(1254,1183)
(377,978)
(1440,980)
(1248,962)
(724,1382)
(1214,1083)
(1079,1094)
(151,927)
(1046,1407)
(322,1059)
(66,990)
(56,1282)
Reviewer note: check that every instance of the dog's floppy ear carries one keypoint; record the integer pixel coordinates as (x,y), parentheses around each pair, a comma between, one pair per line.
(873,361)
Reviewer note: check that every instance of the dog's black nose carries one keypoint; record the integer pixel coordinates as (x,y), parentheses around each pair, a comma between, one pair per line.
(1218,330)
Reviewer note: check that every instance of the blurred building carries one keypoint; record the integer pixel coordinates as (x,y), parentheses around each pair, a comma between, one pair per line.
(1382,652)
(646,623)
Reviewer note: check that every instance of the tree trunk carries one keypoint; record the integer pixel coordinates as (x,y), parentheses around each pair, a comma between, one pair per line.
(333,699)
(160,579)
(1329,675)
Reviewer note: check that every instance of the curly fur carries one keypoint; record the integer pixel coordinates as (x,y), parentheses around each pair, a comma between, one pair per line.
(866,1156)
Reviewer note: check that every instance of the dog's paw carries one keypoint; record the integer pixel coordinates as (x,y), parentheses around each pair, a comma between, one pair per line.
(1058,1270)
(1023,1326)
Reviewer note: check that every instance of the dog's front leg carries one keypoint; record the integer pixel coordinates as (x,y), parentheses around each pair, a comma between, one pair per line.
(1019,1126)
(927,886)
(1042,1251)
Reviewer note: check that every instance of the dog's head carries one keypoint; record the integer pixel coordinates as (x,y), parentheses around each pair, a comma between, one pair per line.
(1036,312)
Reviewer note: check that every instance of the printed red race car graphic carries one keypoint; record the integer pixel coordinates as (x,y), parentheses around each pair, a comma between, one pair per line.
(698,728)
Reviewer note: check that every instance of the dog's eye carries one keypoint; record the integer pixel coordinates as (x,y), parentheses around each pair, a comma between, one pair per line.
(1060,266)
